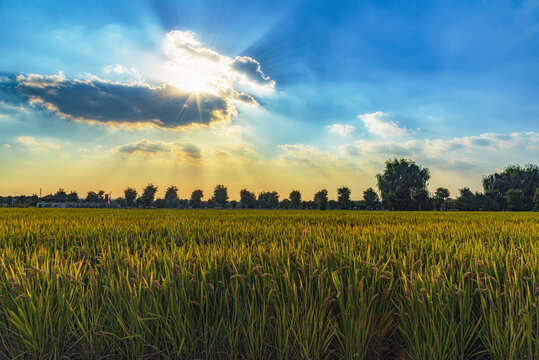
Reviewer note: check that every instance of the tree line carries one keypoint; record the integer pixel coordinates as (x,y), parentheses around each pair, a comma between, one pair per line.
(402,185)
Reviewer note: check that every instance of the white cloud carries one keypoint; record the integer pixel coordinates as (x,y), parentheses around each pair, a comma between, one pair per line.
(340,129)
(195,67)
(378,124)
(36,145)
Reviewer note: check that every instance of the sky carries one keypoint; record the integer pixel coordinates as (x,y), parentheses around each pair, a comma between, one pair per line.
(264,95)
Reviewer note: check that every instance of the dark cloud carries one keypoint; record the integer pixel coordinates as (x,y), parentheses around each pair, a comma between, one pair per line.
(102,101)
(144,147)
(189,151)
(251,68)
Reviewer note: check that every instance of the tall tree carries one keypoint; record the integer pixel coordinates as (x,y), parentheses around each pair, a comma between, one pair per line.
(220,195)
(92,197)
(171,197)
(536,200)
(130,195)
(72,196)
(343,197)
(515,177)
(440,196)
(247,199)
(268,200)
(515,200)
(196,199)
(399,181)
(321,199)
(148,195)
(295,199)
(60,196)
(371,199)
(467,201)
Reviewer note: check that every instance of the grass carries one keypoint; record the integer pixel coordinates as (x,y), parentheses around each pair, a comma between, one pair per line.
(143,284)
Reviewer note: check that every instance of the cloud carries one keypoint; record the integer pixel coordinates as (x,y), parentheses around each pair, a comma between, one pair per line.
(144,147)
(251,69)
(183,152)
(340,129)
(527,141)
(378,124)
(122,73)
(36,145)
(189,152)
(105,102)
(196,67)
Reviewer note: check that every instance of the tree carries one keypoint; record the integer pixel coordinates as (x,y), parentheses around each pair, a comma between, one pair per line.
(92,197)
(285,204)
(72,196)
(493,200)
(343,197)
(60,196)
(268,200)
(515,199)
(247,199)
(440,196)
(371,199)
(130,195)
(295,199)
(515,177)
(148,195)
(422,200)
(399,181)
(536,200)
(321,199)
(171,197)
(196,199)
(467,200)
(220,195)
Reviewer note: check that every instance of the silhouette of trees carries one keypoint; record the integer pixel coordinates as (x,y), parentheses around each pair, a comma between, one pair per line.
(401,180)
(196,199)
(295,199)
(148,195)
(536,200)
(247,199)
(515,199)
(343,197)
(440,196)
(171,197)
(130,196)
(72,196)
(60,196)
(268,200)
(467,200)
(92,197)
(220,195)
(321,199)
(371,199)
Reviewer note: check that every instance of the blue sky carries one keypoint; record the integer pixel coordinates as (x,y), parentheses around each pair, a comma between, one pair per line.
(267,95)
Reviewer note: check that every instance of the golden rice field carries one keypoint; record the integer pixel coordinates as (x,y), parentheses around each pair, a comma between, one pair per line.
(218,284)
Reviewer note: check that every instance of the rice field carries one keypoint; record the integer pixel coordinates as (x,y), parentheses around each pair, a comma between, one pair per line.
(239,284)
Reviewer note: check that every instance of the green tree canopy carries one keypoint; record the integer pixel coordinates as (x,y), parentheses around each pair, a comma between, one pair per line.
(371,199)
(171,197)
(515,177)
(196,199)
(130,195)
(295,199)
(399,181)
(343,197)
(220,195)
(247,199)
(148,195)
(321,199)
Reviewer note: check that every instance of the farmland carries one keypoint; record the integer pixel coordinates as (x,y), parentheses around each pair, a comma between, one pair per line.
(240,284)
